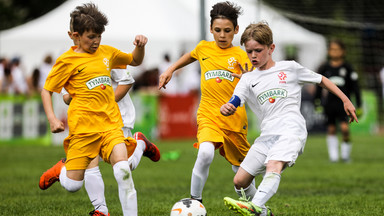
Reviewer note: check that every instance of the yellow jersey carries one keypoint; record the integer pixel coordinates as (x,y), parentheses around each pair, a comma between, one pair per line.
(217,84)
(87,79)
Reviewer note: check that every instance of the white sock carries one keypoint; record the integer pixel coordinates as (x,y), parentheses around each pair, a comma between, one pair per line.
(127,192)
(94,185)
(265,211)
(333,147)
(135,158)
(201,169)
(267,188)
(69,184)
(250,191)
(346,149)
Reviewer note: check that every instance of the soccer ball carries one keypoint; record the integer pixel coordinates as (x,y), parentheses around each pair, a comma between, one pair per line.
(188,207)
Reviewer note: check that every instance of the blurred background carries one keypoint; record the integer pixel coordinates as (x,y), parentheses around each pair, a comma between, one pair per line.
(33,33)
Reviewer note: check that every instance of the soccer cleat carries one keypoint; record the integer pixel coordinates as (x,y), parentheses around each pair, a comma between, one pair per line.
(51,175)
(97,213)
(269,212)
(151,151)
(195,198)
(243,207)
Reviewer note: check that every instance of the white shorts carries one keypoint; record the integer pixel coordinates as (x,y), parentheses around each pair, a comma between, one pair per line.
(272,147)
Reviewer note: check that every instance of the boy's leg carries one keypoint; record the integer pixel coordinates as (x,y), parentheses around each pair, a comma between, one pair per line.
(201,169)
(51,175)
(346,146)
(147,148)
(123,176)
(71,180)
(94,185)
(243,186)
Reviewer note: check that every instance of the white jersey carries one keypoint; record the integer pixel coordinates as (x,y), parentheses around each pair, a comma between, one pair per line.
(127,109)
(274,95)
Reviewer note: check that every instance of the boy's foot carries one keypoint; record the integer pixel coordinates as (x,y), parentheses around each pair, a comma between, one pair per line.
(195,198)
(97,213)
(269,212)
(151,151)
(245,208)
(51,175)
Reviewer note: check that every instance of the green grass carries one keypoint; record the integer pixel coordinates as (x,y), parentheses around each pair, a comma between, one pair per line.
(313,186)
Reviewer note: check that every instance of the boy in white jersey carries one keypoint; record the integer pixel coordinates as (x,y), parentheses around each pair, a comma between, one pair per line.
(273,92)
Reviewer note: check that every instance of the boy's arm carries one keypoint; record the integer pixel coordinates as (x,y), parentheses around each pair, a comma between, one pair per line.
(348,106)
(230,107)
(55,124)
(121,91)
(139,51)
(165,77)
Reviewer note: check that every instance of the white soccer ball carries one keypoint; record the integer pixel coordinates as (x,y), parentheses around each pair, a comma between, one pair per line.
(188,207)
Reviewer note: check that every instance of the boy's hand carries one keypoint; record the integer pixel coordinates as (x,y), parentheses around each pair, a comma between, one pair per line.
(227,109)
(56,125)
(140,41)
(351,111)
(165,78)
(243,70)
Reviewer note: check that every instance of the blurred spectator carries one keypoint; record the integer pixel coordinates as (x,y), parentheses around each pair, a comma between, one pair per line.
(382,80)
(342,74)
(172,87)
(17,83)
(148,80)
(39,75)
(44,69)
(3,63)
(33,82)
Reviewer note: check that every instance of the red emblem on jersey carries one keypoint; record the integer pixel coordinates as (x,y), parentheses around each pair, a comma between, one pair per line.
(102,86)
(282,76)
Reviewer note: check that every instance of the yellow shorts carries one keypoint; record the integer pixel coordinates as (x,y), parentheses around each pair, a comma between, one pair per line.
(82,148)
(233,146)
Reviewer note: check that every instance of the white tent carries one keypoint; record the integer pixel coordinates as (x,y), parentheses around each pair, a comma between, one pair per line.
(171,26)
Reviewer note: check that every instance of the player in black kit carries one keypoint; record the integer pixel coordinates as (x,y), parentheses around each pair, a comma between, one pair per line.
(342,74)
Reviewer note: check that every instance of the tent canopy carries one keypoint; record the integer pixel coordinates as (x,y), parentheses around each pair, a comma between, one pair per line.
(172,26)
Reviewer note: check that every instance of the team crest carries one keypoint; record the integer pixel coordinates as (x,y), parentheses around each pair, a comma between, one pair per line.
(106,62)
(282,76)
(232,63)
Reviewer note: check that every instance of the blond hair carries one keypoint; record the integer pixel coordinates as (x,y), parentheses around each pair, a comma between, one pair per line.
(259,32)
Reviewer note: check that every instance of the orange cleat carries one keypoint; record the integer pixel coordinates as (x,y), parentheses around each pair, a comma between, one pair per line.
(51,175)
(97,213)
(151,151)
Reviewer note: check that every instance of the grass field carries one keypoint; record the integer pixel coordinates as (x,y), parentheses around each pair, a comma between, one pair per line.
(313,186)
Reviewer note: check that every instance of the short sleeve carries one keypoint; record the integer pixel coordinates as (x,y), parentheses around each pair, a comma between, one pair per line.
(57,78)
(306,75)
(195,52)
(122,76)
(242,90)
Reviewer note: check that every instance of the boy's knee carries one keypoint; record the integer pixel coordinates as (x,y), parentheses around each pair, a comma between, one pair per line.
(72,185)
(240,183)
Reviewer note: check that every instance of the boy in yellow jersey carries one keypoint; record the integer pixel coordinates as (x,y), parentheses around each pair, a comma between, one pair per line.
(137,147)
(218,60)
(94,119)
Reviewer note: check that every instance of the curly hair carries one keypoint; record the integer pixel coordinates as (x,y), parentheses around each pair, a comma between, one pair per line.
(226,10)
(87,17)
